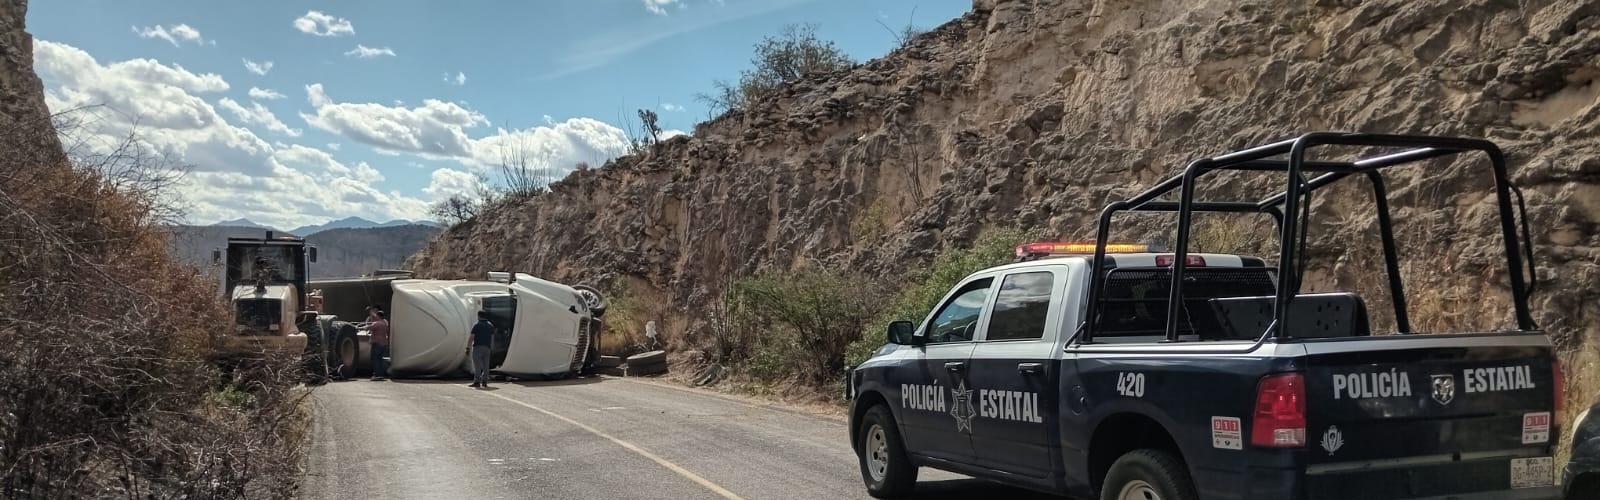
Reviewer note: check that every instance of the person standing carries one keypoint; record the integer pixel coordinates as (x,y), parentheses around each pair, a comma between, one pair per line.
(482,339)
(378,327)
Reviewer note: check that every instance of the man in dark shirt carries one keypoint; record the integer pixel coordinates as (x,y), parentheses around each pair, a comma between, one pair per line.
(482,336)
(378,326)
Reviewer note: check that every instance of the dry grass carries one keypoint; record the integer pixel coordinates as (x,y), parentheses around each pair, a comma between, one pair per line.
(105,344)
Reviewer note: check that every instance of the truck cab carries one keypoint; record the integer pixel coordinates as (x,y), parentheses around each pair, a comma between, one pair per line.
(1108,370)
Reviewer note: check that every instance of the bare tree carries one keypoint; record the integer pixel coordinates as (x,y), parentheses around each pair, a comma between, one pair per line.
(524,172)
(904,34)
(779,60)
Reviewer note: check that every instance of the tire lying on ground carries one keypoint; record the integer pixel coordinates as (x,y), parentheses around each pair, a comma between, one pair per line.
(645,358)
(615,371)
(608,362)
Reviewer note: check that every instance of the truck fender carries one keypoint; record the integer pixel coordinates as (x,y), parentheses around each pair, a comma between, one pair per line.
(1123,426)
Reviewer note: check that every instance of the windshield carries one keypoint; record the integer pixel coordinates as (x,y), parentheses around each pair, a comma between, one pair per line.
(272,263)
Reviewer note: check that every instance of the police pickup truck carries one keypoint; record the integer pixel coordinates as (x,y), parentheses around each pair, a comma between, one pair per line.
(1127,374)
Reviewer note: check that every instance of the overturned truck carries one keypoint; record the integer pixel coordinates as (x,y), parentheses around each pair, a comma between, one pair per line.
(543,329)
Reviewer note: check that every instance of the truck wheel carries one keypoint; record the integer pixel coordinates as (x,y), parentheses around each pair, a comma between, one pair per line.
(1148,474)
(885,467)
(593,299)
(609,362)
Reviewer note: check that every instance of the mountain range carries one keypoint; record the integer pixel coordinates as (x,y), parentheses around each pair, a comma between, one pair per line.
(308,230)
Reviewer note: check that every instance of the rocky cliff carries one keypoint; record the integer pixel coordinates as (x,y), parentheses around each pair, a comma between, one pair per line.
(24,119)
(1035,113)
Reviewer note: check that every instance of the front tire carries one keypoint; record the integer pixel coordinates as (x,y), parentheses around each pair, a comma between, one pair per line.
(1148,474)
(885,467)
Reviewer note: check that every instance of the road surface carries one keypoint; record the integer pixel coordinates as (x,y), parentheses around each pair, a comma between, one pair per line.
(594,438)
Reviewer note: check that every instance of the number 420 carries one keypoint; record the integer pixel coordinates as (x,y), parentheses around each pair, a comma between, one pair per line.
(1130,384)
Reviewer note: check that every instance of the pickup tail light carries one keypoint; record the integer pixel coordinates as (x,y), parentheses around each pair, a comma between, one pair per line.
(1559,381)
(1280,416)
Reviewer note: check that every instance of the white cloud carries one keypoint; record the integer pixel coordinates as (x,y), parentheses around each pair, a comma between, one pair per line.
(172,34)
(671,107)
(438,130)
(319,24)
(258,115)
(435,129)
(365,52)
(659,7)
(447,182)
(459,79)
(259,68)
(155,100)
(556,148)
(334,146)
(264,94)
(232,172)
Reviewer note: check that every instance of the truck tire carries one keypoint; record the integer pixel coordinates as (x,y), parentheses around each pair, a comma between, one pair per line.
(609,362)
(885,467)
(1148,474)
(646,358)
(592,298)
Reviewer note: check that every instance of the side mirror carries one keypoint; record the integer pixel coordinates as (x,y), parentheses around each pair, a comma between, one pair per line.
(312,254)
(216,256)
(903,333)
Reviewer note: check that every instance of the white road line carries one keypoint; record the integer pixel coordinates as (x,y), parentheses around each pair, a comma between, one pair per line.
(631,447)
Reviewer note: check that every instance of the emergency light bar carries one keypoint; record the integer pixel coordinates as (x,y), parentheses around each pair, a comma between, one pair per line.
(1076,248)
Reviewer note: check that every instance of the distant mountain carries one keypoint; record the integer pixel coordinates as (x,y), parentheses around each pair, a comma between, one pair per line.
(343,252)
(242,222)
(354,223)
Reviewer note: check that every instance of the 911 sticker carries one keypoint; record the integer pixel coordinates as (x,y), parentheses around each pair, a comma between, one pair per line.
(1226,433)
(1536,427)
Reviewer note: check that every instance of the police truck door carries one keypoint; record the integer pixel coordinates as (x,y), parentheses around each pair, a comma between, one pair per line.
(1013,375)
(934,414)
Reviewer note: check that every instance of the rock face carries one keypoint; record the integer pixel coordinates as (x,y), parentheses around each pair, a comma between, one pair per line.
(1036,113)
(25,128)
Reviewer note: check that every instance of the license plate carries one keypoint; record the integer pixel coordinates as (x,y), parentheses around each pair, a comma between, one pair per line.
(1533,472)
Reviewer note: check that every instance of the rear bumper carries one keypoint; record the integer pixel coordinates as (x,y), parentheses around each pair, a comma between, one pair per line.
(1483,478)
(1486,479)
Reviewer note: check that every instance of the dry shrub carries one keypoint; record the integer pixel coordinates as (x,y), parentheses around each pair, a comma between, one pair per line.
(105,340)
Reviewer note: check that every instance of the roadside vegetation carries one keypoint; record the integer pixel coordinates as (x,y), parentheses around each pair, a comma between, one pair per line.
(105,341)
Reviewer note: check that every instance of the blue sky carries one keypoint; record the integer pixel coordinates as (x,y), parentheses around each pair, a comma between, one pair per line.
(385,106)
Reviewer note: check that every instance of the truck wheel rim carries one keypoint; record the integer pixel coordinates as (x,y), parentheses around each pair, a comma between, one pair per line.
(1138,490)
(877,453)
(590,299)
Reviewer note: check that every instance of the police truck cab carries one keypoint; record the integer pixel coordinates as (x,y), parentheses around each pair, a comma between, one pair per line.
(1120,371)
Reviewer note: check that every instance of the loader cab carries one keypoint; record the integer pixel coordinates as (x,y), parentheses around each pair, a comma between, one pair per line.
(273,260)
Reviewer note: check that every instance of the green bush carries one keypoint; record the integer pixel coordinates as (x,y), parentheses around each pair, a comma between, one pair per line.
(802,322)
(920,291)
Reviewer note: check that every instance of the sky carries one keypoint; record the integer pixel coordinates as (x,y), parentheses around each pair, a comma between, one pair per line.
(296,112)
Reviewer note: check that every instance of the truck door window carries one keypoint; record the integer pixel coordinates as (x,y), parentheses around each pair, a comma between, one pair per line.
(1021,305)
(957,321)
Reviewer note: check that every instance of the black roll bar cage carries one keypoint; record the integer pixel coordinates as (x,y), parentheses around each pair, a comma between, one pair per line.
(1288,202)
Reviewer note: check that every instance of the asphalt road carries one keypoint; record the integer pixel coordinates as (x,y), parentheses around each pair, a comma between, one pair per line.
(596,438)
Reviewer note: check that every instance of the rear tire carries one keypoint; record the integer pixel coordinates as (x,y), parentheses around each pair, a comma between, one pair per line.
(885,467)
(1148,474)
